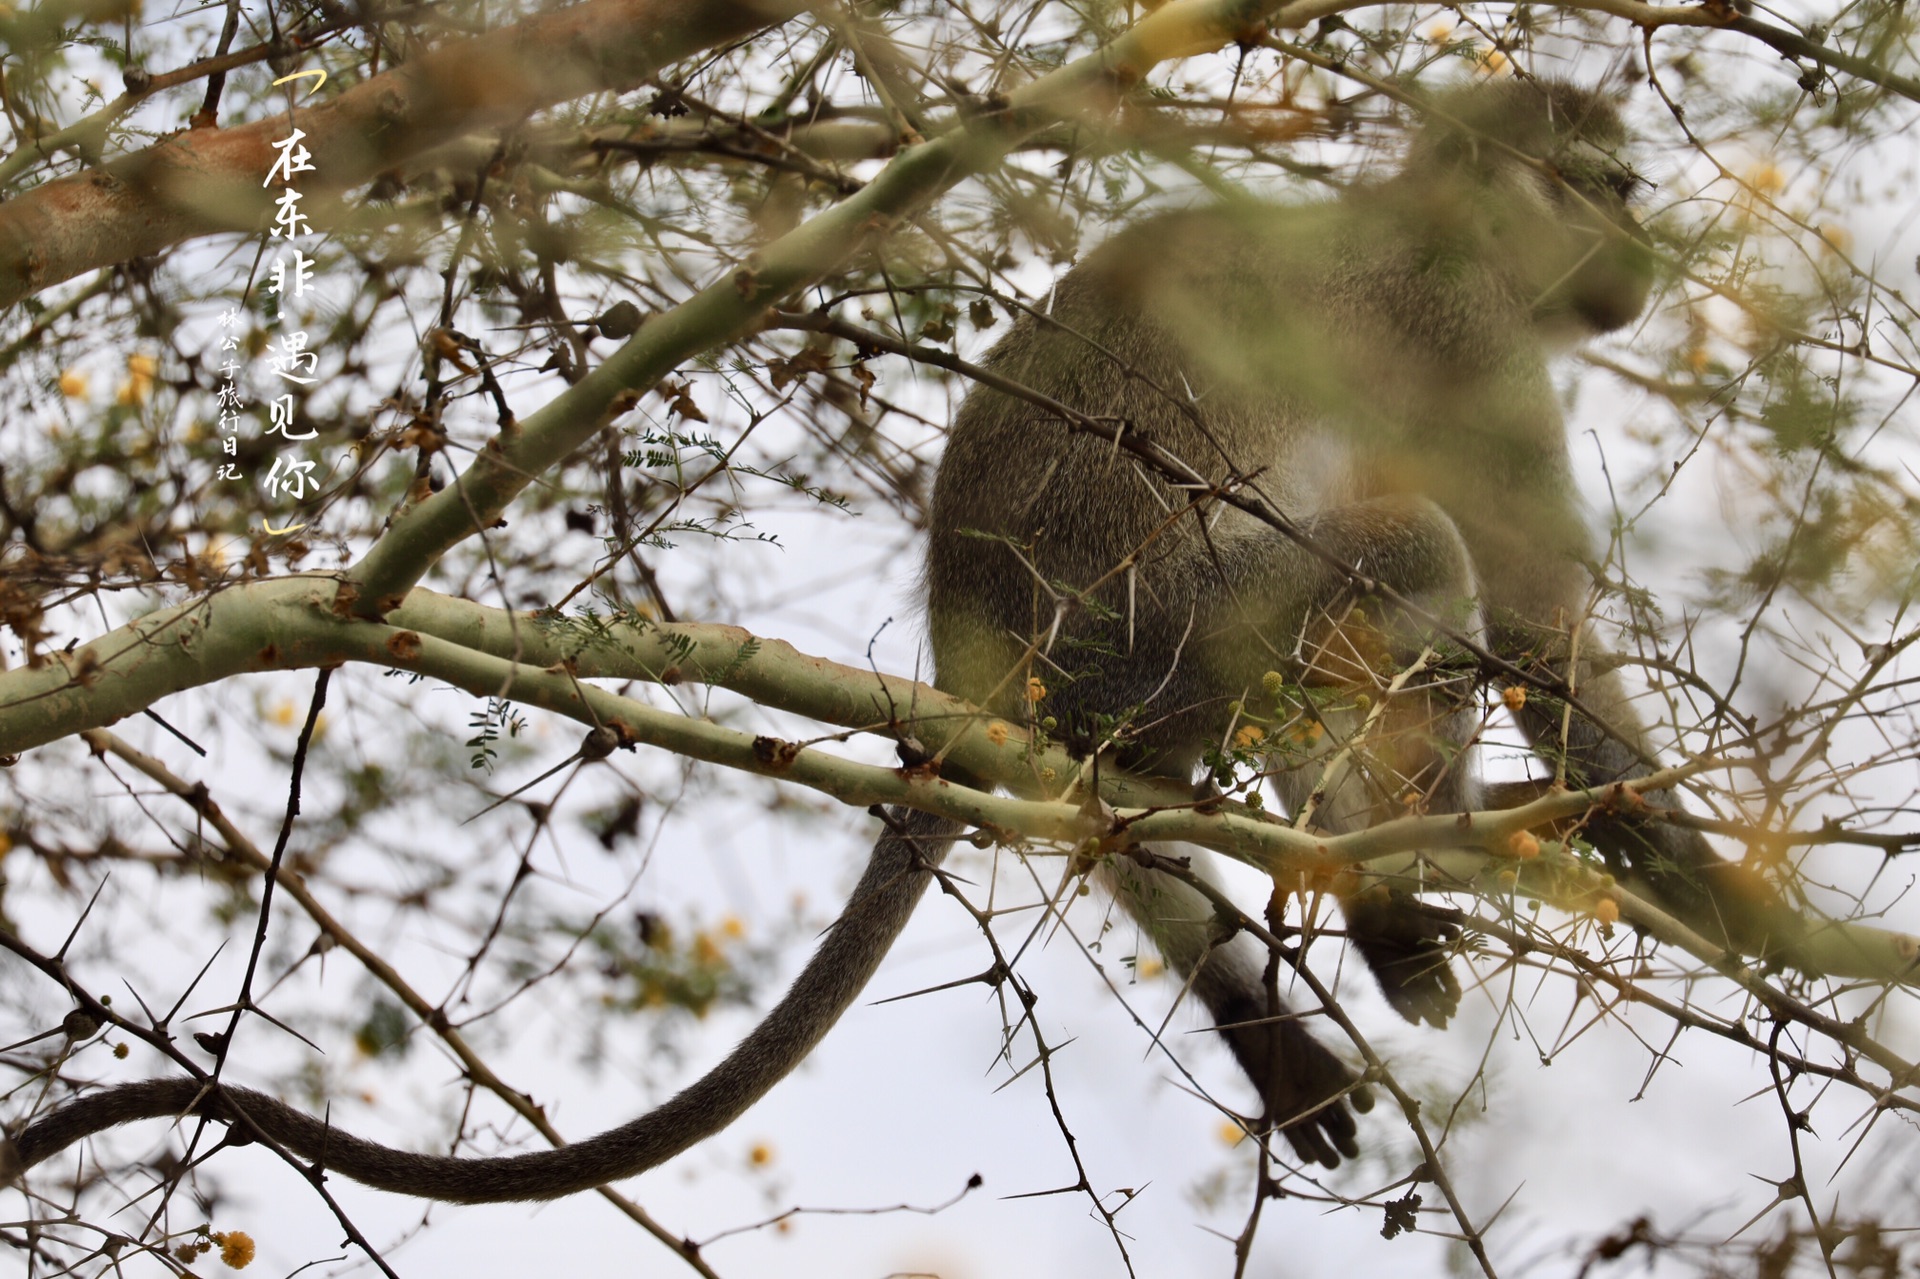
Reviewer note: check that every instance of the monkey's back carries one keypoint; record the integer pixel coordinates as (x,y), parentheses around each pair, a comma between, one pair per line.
(1277,345)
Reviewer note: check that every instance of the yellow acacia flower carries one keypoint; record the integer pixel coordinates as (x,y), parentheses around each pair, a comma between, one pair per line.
(997,733)
(1514,696)
(236,1247)
(1035,689)
(73,384)
(1248,736)
(139,383)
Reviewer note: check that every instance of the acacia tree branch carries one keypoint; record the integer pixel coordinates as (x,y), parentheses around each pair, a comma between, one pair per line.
(207,180)
(1725,17)
(737,303)
(287,624)
(239,847)
(88,134)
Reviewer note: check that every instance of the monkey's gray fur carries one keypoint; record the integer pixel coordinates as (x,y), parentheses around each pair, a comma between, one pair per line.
(1378,366)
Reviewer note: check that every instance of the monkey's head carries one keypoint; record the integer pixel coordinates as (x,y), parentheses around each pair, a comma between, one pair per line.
(1539,167)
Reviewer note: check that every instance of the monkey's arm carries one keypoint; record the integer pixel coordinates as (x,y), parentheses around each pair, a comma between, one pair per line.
(882,902)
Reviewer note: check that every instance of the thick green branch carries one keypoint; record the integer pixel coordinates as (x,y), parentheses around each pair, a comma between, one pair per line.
(289,623)
(734,306)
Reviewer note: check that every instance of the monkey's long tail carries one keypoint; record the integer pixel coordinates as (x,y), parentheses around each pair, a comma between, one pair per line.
(896,875)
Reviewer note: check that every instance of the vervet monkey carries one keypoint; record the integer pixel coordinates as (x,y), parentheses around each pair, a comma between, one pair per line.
(1377,365)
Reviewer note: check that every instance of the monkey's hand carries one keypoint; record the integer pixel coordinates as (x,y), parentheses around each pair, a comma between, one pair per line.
(1409,950)
(1305,1090)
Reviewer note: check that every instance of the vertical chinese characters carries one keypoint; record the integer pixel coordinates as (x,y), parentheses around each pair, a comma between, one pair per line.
(228,397)
(288,358)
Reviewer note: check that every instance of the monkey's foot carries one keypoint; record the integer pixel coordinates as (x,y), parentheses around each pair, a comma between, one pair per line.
(1305,1090)
(1409,952)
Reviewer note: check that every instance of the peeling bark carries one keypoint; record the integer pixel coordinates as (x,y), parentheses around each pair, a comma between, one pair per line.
(203,181)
